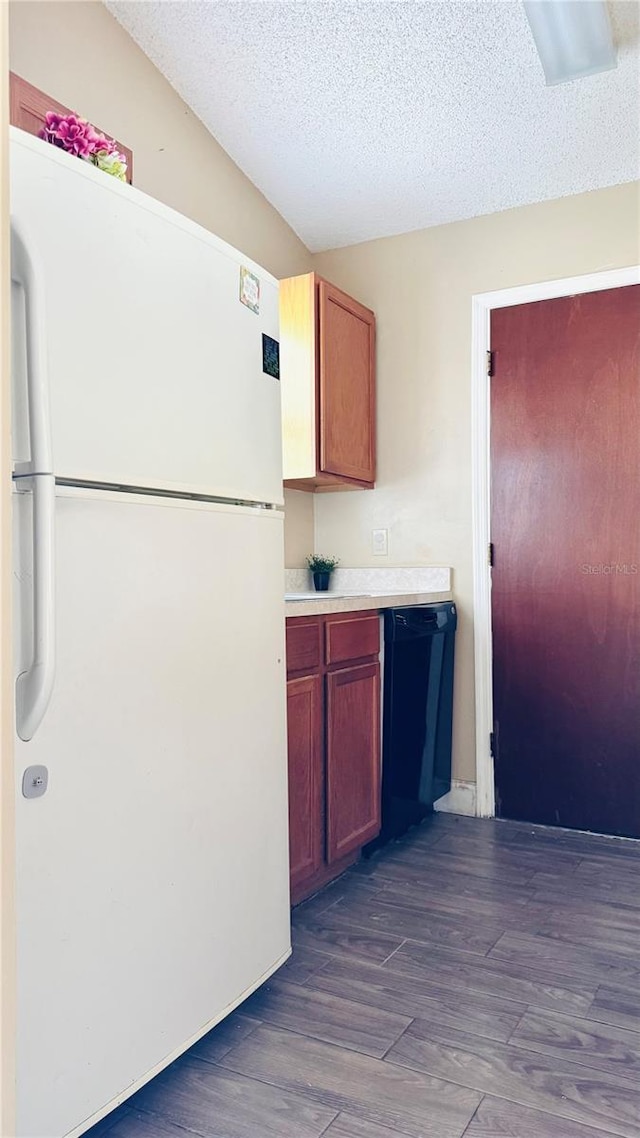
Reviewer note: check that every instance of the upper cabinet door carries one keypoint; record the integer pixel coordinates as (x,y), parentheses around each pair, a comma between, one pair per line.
(347,385)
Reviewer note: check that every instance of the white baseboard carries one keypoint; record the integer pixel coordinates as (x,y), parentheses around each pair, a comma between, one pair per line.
(461,799)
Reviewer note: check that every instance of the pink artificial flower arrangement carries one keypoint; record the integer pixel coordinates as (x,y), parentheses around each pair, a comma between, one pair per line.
(77,136)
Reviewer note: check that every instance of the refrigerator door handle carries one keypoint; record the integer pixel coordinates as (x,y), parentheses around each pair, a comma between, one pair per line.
(25,272)
(35,685)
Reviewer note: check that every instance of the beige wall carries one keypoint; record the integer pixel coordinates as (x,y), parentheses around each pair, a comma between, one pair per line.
(299,536)
(420,286)
(78,54)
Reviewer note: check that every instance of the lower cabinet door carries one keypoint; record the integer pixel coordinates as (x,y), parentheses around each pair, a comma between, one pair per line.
(353,758)
(304,720)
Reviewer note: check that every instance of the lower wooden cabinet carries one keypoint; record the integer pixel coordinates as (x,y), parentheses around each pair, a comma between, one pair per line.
(353,759)
(333,707)
(304,730)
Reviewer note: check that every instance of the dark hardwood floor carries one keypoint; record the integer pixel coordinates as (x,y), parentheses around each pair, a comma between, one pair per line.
(479,978)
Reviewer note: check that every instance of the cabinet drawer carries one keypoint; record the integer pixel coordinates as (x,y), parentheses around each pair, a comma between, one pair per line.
(304,644)
(352,636)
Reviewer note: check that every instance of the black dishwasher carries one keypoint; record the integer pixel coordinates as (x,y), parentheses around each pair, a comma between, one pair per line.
(419,646)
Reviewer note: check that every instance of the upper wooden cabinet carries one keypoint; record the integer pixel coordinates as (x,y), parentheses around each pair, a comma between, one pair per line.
(327,371)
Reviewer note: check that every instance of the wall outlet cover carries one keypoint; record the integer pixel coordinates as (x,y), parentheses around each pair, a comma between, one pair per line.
(380,542)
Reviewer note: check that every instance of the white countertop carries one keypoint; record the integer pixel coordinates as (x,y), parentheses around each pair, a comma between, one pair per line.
(321,603)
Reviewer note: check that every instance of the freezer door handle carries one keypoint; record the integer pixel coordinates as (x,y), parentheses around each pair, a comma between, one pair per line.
(35,685)
(26,272)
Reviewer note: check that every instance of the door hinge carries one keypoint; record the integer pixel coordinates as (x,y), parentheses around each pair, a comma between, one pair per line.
(492,745)
(490,554)
(490,363)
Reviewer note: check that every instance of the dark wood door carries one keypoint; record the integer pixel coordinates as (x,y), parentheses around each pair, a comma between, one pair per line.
(353,758)
(565,523)
(306,822)
(347,385)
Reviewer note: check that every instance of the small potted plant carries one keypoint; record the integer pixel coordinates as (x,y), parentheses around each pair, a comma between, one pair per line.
(321,568)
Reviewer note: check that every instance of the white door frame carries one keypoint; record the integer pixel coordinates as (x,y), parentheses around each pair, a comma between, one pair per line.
(481,305)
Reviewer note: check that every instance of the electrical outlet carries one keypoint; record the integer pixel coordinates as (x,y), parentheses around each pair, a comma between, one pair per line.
(380,542)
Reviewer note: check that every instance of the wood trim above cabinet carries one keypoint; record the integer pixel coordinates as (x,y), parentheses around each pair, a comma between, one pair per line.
(29,106)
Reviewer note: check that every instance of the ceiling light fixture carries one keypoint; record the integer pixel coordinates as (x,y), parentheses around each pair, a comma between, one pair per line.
(573,37)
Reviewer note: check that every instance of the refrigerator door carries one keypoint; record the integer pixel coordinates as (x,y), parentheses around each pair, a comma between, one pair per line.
(152,885)
(159,376)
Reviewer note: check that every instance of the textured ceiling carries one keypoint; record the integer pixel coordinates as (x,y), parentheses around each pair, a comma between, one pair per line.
(364,119)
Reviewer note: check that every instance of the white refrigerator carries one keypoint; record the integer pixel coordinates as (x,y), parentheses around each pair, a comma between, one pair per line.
(150,746)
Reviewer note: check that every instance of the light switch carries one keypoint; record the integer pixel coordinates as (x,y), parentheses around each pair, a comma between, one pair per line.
(380,542)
